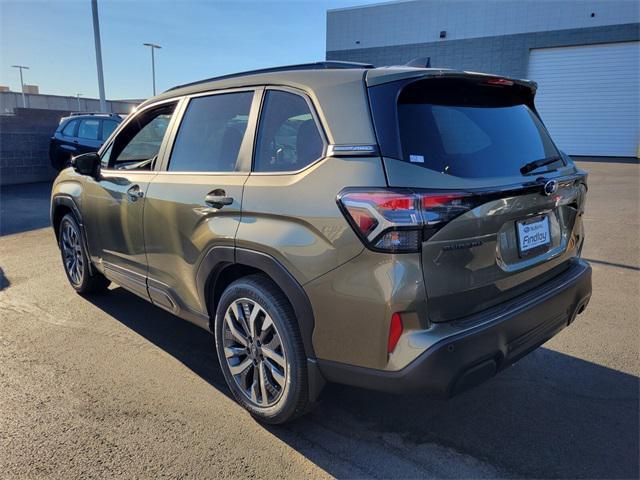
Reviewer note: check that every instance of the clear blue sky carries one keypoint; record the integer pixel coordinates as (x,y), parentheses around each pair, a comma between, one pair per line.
(199,40)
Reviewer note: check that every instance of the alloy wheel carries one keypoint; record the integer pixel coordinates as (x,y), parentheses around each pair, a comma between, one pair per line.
(72,253)
(254,352)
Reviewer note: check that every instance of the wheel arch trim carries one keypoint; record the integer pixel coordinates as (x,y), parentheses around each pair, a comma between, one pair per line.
(219,258)
(64,200)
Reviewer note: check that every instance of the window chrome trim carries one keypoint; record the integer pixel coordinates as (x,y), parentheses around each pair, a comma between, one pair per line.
(235,172)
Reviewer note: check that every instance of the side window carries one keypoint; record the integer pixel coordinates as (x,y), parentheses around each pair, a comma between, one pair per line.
(288,137)
(89,129)
(69,130)
(108,126)
(211,133)
(137,145)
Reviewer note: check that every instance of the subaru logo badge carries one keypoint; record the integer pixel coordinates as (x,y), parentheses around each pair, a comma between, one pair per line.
(550,187)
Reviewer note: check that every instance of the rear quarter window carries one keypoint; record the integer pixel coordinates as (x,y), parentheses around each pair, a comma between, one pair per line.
(108,126)
(288,136)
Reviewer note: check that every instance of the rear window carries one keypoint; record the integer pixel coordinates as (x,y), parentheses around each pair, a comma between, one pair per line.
(463,128)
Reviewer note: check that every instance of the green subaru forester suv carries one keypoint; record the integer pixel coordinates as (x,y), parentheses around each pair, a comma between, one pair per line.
(402,229)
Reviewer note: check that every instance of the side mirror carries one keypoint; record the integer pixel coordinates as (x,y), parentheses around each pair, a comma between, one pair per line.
(86,164)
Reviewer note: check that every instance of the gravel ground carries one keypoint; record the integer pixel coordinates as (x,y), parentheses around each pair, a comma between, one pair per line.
(110,386)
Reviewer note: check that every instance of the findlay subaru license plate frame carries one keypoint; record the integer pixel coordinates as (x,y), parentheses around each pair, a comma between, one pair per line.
(535,225)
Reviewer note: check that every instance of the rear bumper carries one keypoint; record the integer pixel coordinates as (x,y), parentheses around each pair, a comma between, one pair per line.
(483,344)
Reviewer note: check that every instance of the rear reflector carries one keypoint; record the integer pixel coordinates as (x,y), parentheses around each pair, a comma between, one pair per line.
(395,330)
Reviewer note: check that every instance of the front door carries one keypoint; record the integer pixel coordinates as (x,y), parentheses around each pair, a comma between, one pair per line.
(194,203)
(116,200)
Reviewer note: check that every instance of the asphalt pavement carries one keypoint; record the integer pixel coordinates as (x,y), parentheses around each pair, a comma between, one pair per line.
(111,386)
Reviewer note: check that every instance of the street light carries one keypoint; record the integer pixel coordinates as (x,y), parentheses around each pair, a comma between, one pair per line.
(21,67)
(153,46)
(96,40)
(78,95)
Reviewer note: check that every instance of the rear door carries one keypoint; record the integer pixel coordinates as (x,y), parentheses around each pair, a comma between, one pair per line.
(194,203)
(493,230)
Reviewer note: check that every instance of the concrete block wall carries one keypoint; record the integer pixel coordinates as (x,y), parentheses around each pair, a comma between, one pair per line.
(421,21)
(502,55)
(24,145)
(9,101)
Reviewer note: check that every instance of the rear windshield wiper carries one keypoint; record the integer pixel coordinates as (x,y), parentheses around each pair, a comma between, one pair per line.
(531,166)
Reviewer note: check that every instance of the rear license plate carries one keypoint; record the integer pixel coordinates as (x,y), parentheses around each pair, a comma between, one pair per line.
(533,235)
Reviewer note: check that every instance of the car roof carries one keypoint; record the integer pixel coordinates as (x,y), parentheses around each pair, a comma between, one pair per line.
(337,93)
(337,89)
(311,75)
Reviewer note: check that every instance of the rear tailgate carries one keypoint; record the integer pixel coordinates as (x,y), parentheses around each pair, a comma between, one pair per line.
(471,135)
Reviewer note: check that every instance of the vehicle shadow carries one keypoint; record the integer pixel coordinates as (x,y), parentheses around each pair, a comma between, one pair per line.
(4,281)
(551,415)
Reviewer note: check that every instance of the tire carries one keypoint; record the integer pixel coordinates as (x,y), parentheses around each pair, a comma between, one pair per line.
(272,386)
(75,259)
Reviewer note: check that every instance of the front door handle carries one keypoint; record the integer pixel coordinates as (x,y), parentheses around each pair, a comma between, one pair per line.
(134,193)
(217,198)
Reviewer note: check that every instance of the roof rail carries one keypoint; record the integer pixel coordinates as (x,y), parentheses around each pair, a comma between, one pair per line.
(287,68)
(109,114)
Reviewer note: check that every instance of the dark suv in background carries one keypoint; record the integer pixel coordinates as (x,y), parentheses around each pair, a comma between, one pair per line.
(80,133)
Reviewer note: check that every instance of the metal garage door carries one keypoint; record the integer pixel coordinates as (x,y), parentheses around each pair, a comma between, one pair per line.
(589,97)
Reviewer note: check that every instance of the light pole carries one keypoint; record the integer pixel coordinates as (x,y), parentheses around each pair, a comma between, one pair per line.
(96,39)
(153,46)
(21,67)
(78,95)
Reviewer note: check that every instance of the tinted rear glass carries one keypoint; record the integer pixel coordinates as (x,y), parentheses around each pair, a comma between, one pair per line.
(466,129)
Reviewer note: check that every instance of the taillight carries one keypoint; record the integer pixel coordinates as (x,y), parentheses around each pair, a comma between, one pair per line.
(500,81)
(394,220)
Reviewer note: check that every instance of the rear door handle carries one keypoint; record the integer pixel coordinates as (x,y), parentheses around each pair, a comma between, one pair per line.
(217,198)
(134,193)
